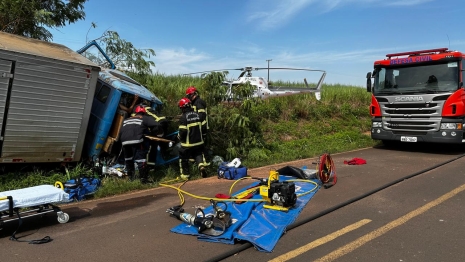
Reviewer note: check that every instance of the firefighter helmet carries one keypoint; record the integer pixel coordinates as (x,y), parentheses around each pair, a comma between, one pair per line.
(184,102)
(191,90)
(140,109)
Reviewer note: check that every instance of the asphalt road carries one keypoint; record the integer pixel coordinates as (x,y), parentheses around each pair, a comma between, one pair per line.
(416,219)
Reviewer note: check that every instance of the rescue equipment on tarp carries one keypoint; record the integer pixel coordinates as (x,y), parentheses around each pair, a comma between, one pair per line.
(208,224)
(278,195)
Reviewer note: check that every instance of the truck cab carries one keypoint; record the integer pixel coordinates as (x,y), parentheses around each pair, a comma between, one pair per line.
(115,91)
(418,96)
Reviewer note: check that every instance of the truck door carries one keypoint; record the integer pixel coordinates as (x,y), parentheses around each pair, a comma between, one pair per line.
(5,76)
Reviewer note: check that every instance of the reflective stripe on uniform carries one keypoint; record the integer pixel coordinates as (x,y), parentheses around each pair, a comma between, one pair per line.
(130,142)
(157,118)
(132,121)
(191,145)
(187,143)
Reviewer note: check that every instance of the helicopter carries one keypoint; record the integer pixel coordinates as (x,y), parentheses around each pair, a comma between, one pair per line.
(263,88)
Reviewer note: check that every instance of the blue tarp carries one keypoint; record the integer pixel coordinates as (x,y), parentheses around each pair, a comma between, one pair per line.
(252,222)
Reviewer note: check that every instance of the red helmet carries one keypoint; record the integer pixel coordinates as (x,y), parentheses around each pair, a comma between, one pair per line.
(191,90)
(140,109)
(184,102)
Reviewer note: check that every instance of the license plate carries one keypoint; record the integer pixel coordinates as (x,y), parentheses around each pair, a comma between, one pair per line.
(408,139)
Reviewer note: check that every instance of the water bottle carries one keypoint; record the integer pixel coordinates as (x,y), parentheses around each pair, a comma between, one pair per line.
(104,167)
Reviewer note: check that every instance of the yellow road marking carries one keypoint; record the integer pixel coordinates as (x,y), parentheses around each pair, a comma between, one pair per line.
(384,229)
(320,241)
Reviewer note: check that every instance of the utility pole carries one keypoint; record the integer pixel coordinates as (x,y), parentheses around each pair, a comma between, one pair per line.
(268,60)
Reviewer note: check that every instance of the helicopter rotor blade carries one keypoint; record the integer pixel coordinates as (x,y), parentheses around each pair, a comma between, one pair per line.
(217,70)
(291,68)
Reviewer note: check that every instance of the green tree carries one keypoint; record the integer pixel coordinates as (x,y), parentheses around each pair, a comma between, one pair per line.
(31,18)
(124,55)
(234,118)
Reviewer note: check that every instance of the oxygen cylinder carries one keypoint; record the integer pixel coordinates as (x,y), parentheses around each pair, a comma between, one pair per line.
(199,222)
(187,218)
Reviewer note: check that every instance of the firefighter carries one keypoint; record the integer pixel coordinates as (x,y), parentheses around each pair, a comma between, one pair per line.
(199,106)
(190,135)
(158,131)
(134,143)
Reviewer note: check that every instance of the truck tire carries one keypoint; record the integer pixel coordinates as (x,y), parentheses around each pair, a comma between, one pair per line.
(390,143)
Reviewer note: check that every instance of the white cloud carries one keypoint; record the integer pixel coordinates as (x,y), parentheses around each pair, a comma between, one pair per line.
(332,4)
(181,61)
(177,61)
(408,2)
(271,14)
(268,14)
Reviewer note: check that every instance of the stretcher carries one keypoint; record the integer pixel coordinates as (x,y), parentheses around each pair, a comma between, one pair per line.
(32,201)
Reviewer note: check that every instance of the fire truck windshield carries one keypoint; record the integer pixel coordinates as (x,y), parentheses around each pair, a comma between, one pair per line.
(417,79)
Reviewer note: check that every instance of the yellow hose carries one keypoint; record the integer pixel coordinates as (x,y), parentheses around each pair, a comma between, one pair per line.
(181,192)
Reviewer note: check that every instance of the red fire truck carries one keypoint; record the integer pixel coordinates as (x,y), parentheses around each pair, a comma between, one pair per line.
(418,96)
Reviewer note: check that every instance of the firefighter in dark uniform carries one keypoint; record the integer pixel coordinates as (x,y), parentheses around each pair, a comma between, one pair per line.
(191,137)
(158,131)
(199,106)
(134,144)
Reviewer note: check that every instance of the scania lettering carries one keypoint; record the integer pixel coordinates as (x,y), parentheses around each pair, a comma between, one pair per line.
(418,96)
(409,98)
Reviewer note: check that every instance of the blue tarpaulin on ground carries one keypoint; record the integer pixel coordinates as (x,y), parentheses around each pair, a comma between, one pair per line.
(252,222)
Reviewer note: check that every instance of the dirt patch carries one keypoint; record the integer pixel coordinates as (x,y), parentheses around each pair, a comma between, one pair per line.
(287,138)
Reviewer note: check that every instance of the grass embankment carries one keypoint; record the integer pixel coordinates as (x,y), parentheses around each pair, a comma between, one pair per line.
(297,127)
(292,128)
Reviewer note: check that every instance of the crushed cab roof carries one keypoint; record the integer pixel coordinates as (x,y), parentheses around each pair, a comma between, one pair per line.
(123,82)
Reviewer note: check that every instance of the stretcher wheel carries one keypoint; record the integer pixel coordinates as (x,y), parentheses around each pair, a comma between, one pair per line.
(62,217)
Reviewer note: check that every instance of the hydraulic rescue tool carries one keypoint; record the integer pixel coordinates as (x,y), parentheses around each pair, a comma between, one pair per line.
(211,224)
(280,195)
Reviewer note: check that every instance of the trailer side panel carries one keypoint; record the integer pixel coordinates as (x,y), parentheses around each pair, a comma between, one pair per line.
(47,102)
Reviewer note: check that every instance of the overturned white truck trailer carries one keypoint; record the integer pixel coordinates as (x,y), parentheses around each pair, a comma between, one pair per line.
(46,93)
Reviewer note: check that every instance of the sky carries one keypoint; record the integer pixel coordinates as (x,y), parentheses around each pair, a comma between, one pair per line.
(341,37)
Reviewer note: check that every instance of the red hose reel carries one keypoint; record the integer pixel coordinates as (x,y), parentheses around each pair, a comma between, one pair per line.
(326,171)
